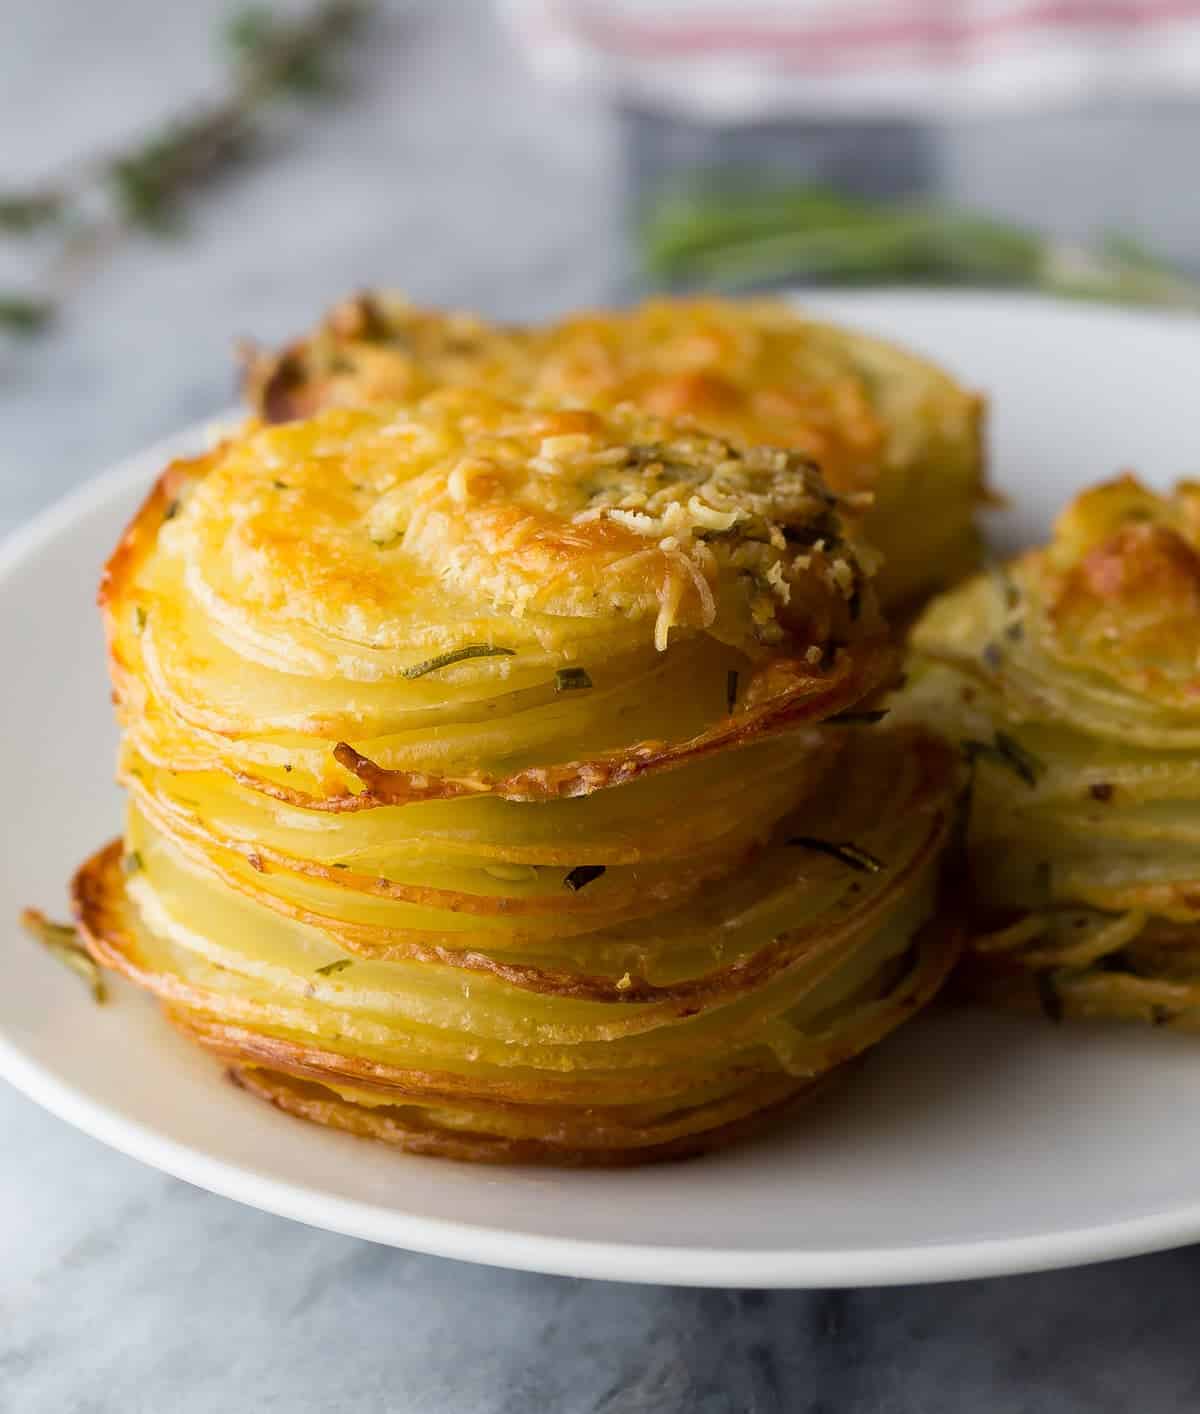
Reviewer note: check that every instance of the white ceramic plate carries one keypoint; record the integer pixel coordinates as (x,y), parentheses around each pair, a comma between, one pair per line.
(968,1145)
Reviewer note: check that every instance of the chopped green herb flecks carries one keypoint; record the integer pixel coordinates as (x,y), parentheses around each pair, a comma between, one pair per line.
(132,862)
(1006,751)
(139,618)
(338,965)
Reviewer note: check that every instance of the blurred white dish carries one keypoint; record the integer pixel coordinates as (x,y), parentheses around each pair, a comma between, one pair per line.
(968,1145)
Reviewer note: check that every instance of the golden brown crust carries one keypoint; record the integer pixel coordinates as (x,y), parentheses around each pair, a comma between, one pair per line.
(1121,585)
(877,420)
(294,509)
(407,1131)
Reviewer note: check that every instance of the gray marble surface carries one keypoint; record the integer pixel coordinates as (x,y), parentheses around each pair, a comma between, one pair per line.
(451,173)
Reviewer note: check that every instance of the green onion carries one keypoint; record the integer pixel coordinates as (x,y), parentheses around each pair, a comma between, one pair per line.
(460,655)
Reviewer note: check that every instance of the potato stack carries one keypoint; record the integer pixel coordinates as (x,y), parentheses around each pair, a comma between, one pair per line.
(496,787)
(1072,680)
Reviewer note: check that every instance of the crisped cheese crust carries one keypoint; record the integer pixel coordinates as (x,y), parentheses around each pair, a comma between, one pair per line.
(1121,586)
(880,422)
(358,522)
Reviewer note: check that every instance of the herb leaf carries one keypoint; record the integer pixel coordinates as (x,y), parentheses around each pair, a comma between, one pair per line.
(571,679)
(337,965)
(846,852)
(459,655)
(1006,751)
(24,314)
(62,941)
(582,875)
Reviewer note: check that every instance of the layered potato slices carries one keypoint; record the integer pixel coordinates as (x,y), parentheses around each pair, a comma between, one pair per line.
(484,796)
(887,428)
(1073,679)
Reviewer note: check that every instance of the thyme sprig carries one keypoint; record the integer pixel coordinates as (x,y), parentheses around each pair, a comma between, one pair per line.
(146,186)
(739,233)
(62,941)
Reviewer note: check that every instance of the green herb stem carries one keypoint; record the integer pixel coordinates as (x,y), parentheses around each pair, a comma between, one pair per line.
(145,185)
(459,655)
(61,940)
(732,235)
(846,852)
(582,875)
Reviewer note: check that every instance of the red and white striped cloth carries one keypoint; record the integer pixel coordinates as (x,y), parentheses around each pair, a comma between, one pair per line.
(746,60)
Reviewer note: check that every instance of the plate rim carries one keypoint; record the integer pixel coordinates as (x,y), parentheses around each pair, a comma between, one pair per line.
(491,1245)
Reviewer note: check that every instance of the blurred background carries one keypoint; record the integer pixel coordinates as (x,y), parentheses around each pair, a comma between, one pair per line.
(173,177)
